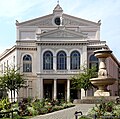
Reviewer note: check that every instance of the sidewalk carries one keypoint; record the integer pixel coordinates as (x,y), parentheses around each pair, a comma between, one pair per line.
(66,113)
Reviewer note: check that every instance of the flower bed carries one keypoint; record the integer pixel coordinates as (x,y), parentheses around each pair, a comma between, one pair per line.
(30,108)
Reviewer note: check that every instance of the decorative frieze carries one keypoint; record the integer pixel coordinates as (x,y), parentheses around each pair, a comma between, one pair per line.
(61,44)
(44,22)
(69,22)
(62,34)
(20,48)
(94,48)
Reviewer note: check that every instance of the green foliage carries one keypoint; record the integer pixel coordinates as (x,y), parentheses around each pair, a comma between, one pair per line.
(43,110)
(4,104)
(81,80)
(85,117)
(11,79)
(37,105)
(105,109)
(31,108)
(32,111)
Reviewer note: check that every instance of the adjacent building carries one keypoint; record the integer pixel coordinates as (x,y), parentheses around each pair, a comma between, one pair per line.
(52,48)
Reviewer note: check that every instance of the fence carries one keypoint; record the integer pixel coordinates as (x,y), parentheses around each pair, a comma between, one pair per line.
(9,112)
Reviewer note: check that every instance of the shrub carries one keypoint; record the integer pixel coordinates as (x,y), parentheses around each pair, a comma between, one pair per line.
(105,109)
(37,104)
(27,107)
(56,108)
(43,110)
(85,117)
(32,111)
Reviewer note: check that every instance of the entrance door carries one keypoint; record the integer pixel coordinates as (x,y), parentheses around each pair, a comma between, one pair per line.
(61,91)
(48,91)
(73,94)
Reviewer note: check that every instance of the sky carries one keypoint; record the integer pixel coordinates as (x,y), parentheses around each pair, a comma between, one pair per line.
(108,11)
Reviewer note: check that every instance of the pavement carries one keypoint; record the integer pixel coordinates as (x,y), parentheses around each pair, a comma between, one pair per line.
(66,113)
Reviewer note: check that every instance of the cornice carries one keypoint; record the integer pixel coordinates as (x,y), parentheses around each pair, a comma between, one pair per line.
(27,48)
(7,52)
(115,59)
(32,20)
(80,19)
(65,43)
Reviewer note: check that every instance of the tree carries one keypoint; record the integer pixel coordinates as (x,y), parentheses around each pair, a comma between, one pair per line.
(11,80)
(81,80)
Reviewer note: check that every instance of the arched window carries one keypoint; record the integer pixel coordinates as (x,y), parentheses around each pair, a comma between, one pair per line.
(48,60)
(93,61)
(61,60)
(27,63)
(75,60)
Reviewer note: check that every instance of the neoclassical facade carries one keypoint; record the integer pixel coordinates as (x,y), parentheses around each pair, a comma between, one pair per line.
(52,48)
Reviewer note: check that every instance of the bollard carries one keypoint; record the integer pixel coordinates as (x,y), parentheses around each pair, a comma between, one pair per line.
(77,114)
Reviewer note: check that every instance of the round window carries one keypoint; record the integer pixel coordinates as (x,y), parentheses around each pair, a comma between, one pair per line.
(57,21)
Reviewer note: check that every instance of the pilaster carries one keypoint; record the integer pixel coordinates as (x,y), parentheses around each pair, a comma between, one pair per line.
(38,59)
(39,88)
(84,55)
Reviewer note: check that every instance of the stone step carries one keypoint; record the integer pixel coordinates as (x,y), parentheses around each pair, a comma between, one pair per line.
(95,99)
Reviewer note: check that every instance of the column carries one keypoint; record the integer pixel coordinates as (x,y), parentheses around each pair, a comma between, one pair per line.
(68,63)
(55,89)
(41,88)
(82,93)
(68,90)
(54,62)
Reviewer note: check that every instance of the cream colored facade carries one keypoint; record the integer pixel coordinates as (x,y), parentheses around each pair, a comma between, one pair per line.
(61,35)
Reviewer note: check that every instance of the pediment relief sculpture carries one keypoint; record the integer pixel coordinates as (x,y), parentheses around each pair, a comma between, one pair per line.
(63,33)
(43,22)
(73,22)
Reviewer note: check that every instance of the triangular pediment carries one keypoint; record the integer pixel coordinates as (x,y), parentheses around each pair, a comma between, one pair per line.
(40,21)
(63,33)
(75,21)
(67,20)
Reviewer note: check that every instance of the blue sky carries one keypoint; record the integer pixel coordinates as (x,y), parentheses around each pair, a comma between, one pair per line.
(106,10)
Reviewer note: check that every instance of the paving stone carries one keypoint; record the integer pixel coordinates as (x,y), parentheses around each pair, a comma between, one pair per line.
(66,113)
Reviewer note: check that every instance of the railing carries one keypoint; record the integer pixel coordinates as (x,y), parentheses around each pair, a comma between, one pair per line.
(61,71)
(9,112)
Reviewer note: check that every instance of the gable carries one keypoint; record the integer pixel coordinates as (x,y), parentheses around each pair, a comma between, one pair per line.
(41,21)
(75,21)
(67,20)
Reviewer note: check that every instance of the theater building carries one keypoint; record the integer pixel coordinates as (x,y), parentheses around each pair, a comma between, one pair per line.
(52,48)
